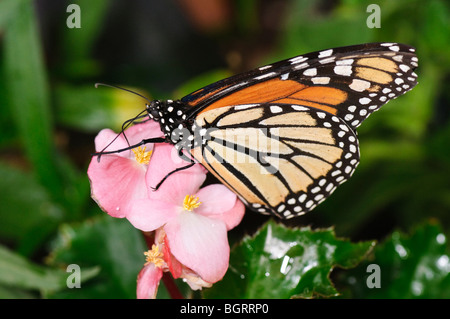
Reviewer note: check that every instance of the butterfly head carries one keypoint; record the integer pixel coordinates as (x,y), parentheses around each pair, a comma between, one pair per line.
(154,110)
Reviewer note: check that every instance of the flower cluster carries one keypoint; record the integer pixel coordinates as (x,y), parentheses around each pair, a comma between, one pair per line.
(190,223)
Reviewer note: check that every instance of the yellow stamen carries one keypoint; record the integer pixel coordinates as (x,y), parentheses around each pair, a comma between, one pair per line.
(142,157)
(190,202)
(154,256)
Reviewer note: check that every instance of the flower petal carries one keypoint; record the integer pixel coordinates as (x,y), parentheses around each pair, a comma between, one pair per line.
(148,215)
(142,131)
(107,136)
(234,216)
(216,199)
(200,243)
(177,185)
(116,182)
(108,140)
(148,281)
(175,267)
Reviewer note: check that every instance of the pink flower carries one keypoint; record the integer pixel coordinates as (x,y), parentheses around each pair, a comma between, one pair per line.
(190,223)
(194,220)
(158,260)
(119,179)
(150,275)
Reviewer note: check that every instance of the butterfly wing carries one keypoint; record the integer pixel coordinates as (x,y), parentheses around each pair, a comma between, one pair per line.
(282,159)
(351,82)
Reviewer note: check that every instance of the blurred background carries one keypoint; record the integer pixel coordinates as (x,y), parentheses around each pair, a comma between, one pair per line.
(50,113)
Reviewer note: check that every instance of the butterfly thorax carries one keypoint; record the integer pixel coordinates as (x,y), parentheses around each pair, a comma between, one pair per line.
(171,117)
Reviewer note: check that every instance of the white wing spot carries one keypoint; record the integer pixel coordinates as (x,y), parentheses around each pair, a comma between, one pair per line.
(265,67)
(404,67)
(329,187)
(298,59)
(318,197)
(326,53)
(321,80)
(359,85)
(343,70)
(309,204)
(348,117)
(364,100)
(275,109)
(263,76)
(345,62)
(336,172)
(394,48)
(299,107)
(300,66)
(310,72)
(355,123)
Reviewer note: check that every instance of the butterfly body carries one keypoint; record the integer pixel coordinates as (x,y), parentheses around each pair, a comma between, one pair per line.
(283,136)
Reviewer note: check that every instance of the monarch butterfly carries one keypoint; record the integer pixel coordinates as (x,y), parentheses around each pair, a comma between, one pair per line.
(283,136)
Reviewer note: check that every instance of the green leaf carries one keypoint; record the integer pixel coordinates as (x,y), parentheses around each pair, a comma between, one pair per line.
(411,266)
(28,94)
(16,271)
(278,262)
(15,293)
(109,243)
(7,7)
(27,213)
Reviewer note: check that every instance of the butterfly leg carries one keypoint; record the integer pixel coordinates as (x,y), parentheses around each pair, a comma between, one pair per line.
(174,171)
(146,141)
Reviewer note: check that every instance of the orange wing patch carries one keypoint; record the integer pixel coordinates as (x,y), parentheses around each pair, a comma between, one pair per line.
(284,91)
(266,91)
(319,97)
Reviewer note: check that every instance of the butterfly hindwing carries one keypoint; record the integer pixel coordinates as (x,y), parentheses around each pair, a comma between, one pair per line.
(281,159)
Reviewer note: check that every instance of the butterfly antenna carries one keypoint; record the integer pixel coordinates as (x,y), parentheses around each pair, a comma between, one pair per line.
(127,122)
(123,89)
(124,127)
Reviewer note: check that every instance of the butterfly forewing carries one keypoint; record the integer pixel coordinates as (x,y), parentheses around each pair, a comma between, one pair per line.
(350,82)
(285,160)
